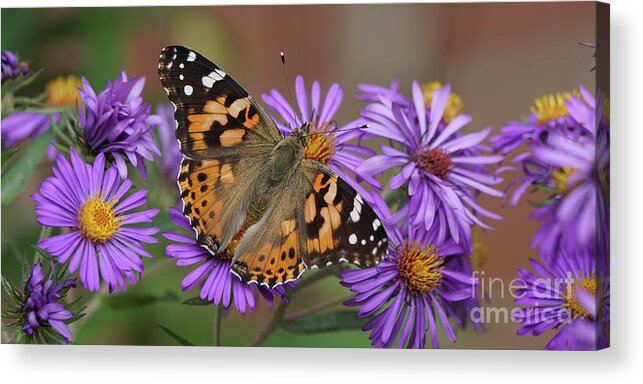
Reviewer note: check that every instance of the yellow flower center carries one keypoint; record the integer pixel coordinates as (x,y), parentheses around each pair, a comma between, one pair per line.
(97,220)
(454,105)
(551,107)
(420,267)
(479,254)
(63,91)
(321,143)
(561,180)
(435,161)
(586,286)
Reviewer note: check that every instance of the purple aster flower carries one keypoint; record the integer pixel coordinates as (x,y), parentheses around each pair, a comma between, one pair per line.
(220,285)
(327,143)
(170,160)
(21,125)
(571,296)
(566,113)
(408,288)
(442,168)
(572,165)
(11,66)
(89,201)
(41,307)
(117,122)
(61,92)
(550,113)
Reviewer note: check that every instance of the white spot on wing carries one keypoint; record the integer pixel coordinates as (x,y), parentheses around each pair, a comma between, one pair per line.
(191,56)
(376,224)
(188,90)
(363,242)
(357,209)
(213,77)
(181,77)
(181,65)
(352,238)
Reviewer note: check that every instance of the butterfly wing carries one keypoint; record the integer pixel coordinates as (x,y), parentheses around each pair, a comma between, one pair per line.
(224,136)
(215,115)
(319,220)
(340,225)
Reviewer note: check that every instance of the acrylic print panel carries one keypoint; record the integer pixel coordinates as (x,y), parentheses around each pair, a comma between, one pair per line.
(439,177)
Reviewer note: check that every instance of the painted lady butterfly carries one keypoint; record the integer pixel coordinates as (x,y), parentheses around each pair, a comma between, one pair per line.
(252,195)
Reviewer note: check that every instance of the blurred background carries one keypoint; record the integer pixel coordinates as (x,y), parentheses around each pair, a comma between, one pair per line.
(497,57)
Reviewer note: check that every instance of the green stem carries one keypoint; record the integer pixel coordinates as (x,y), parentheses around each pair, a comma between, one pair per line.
(271,325)
(44,233)
(280,311)
(217,325)
(96,300)
(47,111)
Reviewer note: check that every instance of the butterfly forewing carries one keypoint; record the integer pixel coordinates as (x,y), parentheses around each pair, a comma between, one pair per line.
(214,114)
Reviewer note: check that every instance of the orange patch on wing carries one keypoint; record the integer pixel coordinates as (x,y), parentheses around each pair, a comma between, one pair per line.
(325,232)
(198,144)
(215,107)
(287,226)
(231,137)
(227,176)
(203,122)
(310,209)
(238,106)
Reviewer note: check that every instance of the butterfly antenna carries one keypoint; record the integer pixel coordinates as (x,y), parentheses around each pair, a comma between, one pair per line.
(363,126)
(292,105)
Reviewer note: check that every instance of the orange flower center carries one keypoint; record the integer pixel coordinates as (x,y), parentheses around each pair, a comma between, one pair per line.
(63,91)
(420,267)
(321,142)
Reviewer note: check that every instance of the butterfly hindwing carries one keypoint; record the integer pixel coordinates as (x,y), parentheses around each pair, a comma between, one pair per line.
(271,252)
(216,197)
(340,226)
(214,114)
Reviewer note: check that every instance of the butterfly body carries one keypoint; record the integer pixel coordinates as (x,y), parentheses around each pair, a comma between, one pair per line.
(264,201)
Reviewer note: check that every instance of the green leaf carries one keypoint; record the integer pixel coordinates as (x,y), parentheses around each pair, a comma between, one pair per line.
(132,300)
(176,337)
(14,85)
(14,180)
(11,289)
(6,155)
(44,253)
(196,300)
(19,337)
(325,322)
(545,188)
